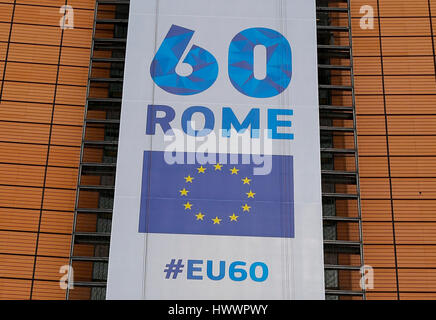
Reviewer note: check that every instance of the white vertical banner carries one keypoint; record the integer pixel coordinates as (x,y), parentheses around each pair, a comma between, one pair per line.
(218,184)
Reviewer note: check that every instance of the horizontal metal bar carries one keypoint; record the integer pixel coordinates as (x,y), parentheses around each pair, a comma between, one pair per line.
(341,219)
(343,292)
(100,143)
(89,187)
(104,99)
(90,259)
(335,108)
(106,79)
(102,121)
(340,267)
(112,21)
(335,87)
(98,164)
(108,59)
(333,150)
(106,40)
(114,2)
(331,9)
(333,67)
(339,195)
(341,129)
(333,47)
(94,210)
(342,243)
(338,172)
(93,234)
(90,284)
(332,28)
(98,171)
(92,238)
(330,114)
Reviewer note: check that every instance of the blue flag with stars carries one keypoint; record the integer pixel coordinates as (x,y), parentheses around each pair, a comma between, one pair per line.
(217,199)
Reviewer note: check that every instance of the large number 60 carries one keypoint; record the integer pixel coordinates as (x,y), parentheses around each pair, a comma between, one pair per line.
(241,63)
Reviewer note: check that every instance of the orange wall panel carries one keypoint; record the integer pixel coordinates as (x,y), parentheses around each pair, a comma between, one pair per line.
(371,145)
(374,188)
(376,210)
(68,115)
(36,34)
(47,290)
(403,8)
(415,210)
(412,26)
(36,73)
(420,280)
(399,52)
(57,221)
(418,256)
(14,289)
(379,256)
(48,268)
(404,65)
(29,92)
(377,233)
(20,197)
(64,156)
(20,175)
(58,199)
(19,219)
(23,153)
(4,31)
(410,104)
(413,167)
(26,112)
(17,242)
(415,232)
(33,53)
(370,167)
(16,266)
(42,108)
(75,57)
(412,145)
(409,188)
(407,46)
(367,66)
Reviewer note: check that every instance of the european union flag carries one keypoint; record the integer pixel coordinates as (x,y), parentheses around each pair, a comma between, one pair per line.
(217,199)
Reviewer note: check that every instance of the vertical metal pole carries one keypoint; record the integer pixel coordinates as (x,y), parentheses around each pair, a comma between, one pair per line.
(359,211)
(81,151)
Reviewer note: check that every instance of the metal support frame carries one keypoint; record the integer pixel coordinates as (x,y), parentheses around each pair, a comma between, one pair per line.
(105,170)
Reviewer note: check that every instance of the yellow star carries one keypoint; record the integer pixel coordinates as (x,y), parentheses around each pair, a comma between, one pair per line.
(189,179)
(183,192)
(188,205)
(246,207)
(250,194)
(233,217)
(246,180)
(234,170)
(201,169)
(216,220)
(200,216)
(218,167)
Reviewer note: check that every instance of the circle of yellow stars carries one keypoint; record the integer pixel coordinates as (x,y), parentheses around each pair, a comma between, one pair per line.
(201,216)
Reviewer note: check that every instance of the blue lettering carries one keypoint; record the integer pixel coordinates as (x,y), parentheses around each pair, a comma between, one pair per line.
(274,123)
(192,269)
(252,119)
(222,270)
(209,121)
(253,271)
(153,120)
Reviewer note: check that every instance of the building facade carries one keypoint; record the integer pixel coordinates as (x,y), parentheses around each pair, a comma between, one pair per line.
(61,71)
